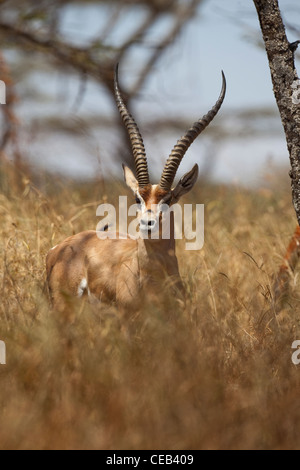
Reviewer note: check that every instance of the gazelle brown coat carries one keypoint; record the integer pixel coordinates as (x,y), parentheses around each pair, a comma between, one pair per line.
(120,269)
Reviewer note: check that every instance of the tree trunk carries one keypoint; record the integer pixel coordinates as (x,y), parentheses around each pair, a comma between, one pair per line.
(286,84)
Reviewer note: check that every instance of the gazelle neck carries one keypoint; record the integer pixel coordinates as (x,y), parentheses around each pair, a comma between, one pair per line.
(157,260)
(162,246)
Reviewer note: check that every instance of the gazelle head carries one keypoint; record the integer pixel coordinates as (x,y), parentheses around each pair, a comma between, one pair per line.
(152,198)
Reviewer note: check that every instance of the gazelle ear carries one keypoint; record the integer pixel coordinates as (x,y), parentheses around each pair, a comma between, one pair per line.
(186,183)
(130,179)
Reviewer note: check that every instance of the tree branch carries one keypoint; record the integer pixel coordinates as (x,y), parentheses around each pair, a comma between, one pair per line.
(75,57)
(97,59)
(184,14)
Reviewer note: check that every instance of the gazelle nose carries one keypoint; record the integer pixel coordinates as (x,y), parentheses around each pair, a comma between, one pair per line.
(147,223)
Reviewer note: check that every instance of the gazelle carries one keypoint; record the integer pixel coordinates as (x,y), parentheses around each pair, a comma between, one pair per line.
(120,269)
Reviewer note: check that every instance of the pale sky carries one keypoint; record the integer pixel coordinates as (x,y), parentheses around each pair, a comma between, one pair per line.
(186,82)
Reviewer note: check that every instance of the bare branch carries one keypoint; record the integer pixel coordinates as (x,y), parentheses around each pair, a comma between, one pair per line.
(97,59)
(75,57)
(184,14)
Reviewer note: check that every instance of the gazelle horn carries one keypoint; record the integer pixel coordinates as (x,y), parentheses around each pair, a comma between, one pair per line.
(136,140)
(184,143)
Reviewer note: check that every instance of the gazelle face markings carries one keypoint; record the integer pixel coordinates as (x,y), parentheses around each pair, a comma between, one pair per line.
(150,202)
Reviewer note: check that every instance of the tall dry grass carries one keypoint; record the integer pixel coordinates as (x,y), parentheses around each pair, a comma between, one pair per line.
(215,374)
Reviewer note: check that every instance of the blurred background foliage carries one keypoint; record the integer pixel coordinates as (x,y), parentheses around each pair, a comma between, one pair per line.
(58,59)
(40,42)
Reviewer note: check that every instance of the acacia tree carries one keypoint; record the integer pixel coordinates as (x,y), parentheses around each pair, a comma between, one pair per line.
(30,27)
(286,84)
